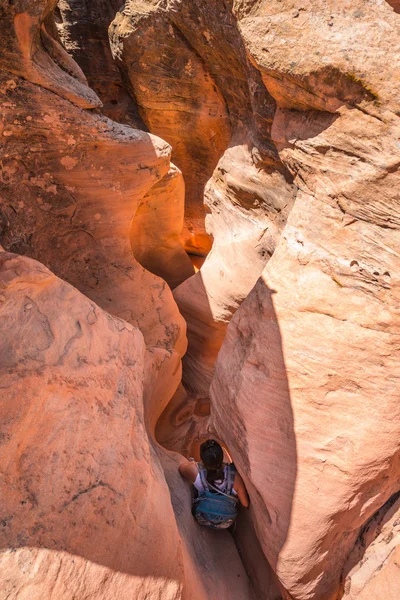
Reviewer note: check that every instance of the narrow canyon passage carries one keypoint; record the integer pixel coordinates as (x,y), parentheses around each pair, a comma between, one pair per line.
(199,234)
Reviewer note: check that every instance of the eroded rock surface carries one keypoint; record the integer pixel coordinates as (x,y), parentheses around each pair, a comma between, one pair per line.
(308,373)
(249,200)
(196,87)
(287,121)
(376,573)
(156,229)
(85,505)
(23,52)
(177,99)
(77,469)
(71,182)
(82,27)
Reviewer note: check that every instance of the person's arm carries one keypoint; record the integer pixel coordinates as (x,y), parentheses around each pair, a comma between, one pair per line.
(241,491)
(188,470)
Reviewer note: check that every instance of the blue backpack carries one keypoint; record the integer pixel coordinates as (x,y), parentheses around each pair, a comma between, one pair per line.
(213,507)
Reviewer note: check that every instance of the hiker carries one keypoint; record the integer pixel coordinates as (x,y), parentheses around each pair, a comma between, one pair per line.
(218,487)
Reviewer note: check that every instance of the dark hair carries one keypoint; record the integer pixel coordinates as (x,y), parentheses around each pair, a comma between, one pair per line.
(212,457)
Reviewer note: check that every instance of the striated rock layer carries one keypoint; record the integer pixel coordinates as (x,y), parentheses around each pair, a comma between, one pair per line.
(287,122)
(85,506)
(248,197)
(309,370)
(71,182)
(177,99)
(249,201)
(77,469)
(373,565)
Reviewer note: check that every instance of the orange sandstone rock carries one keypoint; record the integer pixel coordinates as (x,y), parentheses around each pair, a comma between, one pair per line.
(23,53)
(249,200)
(376,575)
(309,370)
(71,182)
(156,228)
(82,27)
(85,507)
(177,99)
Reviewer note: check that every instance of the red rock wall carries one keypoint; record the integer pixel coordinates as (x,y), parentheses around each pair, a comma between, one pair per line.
(284,119)
(85,500)
(77,469)
(305,390)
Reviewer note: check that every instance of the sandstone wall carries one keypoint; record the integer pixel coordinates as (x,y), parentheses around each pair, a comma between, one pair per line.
(77,469)
(71,182)
(284,119)
(87,510)
(308,373)
(82,27)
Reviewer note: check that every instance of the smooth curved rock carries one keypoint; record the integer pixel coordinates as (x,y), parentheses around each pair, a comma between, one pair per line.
(177,100)
(71,182)
(309,369)
(156,229)
(249,200)
(85,507)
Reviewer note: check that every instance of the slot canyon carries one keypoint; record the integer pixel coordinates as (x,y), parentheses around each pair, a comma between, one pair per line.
(199,238)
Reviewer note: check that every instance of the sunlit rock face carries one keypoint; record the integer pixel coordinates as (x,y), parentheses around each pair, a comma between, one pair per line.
(85,501)
(305,389)
(196,87)
(156,229)
(249,199)
(78,471)
(284,120)
(79,468)
(372,569)
(71,182)
(178,99)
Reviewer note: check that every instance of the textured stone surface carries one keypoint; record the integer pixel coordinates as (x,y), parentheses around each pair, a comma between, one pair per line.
(309,370)
(376,574)
(249,200)
(82,26)
(70,184)
(23,52)
(85,508)
(213,569)
(156,229)
(177,99)
(187,63)
(304,393)
(80,396)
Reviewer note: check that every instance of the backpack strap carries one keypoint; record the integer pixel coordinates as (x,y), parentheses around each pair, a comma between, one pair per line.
(203,476)
(231,472)
(222,493)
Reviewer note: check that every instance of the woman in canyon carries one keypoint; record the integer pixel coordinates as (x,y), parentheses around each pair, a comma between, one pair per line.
(218,487)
